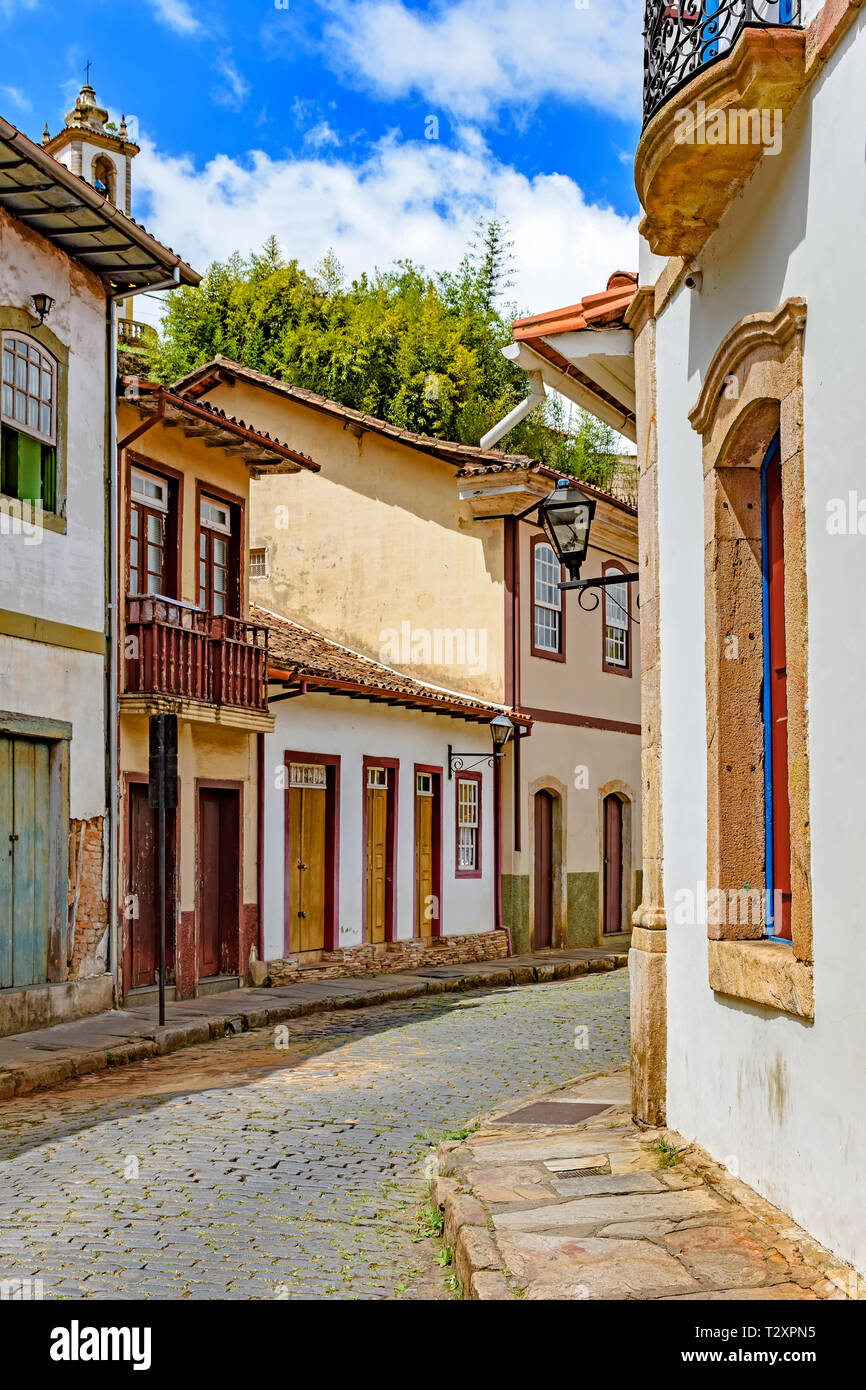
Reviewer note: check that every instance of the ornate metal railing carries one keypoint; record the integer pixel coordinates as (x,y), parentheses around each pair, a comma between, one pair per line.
(682,38)
(173,649)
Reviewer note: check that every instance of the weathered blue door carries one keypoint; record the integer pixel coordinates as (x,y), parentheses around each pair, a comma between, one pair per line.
(25,809)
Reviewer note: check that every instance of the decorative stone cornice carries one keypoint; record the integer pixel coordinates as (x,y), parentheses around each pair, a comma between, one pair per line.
(641,309)
(685,186)
(772,330)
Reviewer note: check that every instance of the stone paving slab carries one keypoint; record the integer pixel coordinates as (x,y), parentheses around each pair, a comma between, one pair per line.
(37,1060)
(652,1218)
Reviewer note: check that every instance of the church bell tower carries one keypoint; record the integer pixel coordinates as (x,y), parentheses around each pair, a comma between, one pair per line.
(95,148)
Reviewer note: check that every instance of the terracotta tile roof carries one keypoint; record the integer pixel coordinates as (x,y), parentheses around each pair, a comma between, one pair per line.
(221,369)
(63,208)
(198,419)
(543,471)
(604,310)
(297,653)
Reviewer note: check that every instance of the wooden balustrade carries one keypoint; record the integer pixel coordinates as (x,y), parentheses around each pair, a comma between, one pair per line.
(172,649)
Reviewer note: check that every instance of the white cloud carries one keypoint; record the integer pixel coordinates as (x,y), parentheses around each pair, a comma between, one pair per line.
(177,15)
(17,97)
(418,200)
(473,57)
(236,89)
(321,135)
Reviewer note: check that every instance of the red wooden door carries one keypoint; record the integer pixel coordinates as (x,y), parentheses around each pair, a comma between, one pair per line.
(778,680)
(141,905)
(543,935)
(612,864)
(219,873)
(142,901)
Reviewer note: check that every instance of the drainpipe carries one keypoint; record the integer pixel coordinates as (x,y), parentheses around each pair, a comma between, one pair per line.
(536,397)
(113,538)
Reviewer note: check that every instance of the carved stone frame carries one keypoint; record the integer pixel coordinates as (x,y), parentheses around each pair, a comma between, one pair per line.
(752,390)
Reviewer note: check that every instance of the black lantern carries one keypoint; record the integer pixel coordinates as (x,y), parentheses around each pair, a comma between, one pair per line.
(501,729)
(42,306)
(566,515)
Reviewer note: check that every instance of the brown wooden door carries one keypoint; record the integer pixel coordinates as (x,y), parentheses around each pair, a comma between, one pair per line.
(612,864)
(219,881)
(776,663)
(543,935)
(377,862)
(307,867)
(425,888)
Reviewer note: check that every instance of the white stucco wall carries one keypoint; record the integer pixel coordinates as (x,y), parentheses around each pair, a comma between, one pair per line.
(780,1097)
(59,578)
(355,729)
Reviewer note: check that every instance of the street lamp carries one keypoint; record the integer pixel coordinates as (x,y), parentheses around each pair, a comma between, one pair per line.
(566,516)
(42,306)
(501,730)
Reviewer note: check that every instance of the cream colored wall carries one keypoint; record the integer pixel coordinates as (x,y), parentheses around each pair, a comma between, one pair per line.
(376,544)
(204,750)
(578,685)
(196,462)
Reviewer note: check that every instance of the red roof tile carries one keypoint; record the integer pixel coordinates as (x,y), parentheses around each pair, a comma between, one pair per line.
(299,654)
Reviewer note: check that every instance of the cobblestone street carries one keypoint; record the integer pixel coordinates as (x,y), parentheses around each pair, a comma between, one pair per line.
(280,1166)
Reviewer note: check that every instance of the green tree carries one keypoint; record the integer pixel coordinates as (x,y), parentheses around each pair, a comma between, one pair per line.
(420,350)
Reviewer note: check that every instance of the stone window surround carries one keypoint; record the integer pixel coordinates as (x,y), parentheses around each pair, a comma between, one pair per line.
(762,353)
(15,320)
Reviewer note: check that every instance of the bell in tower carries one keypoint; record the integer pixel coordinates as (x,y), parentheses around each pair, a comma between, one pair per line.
(95,149)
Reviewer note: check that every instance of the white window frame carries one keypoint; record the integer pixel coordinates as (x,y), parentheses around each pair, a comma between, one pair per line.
(544,558)
(617,619)
(468,824)
(213,523)
(255,552)
(47,363)
(156,504)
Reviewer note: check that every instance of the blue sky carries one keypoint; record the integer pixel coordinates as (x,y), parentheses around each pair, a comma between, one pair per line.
(312,119)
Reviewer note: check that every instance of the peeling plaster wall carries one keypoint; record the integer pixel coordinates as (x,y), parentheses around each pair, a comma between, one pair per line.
(355,729)
(779,1097)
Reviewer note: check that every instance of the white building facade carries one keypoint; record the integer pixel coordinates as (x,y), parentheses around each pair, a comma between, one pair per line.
(750,349)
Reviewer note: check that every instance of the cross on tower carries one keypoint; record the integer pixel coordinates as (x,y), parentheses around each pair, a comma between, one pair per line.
(87,67)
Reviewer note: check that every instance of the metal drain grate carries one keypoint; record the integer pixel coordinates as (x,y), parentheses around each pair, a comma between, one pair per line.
(563,1112)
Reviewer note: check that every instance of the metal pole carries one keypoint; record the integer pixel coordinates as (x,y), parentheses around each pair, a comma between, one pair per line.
(161,891)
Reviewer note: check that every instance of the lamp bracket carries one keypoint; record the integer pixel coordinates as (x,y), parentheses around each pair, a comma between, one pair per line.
(461,762)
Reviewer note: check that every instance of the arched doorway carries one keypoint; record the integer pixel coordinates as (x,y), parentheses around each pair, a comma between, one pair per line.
(543,870)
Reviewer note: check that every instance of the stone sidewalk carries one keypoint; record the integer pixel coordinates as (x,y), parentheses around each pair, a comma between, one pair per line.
(596,1208)
(35,1061)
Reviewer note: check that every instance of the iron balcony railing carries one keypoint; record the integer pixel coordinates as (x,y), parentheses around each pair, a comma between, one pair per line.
(173,649)
(680,39)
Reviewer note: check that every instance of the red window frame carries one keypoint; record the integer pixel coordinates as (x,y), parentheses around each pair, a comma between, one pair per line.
(459,779)
(559,654)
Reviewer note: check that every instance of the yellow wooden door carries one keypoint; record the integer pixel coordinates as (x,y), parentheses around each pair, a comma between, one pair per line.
(307,855)
(377,862)
(424,863)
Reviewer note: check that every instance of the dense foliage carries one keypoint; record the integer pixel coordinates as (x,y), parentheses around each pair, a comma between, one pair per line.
(419,350)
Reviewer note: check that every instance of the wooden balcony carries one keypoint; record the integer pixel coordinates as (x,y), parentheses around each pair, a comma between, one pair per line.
(182,653)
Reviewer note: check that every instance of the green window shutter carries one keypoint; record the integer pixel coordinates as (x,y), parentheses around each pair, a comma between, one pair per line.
(29,469)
